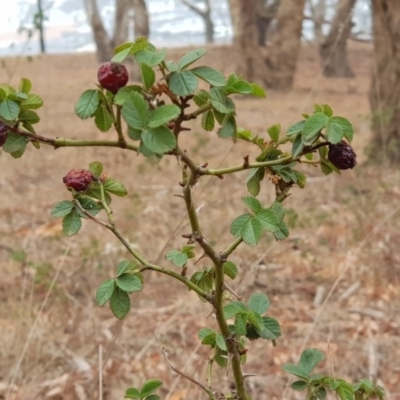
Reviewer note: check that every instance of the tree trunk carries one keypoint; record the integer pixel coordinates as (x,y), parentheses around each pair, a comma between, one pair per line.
(121,22)
(333,50)
(140,19)
(318,12)
(40,26)
(385,86)
(100,36)
(283,54)
(206,16)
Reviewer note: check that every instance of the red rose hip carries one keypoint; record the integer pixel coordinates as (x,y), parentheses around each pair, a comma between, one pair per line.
(3,133)
(78,179)
(112,76)
(342,155)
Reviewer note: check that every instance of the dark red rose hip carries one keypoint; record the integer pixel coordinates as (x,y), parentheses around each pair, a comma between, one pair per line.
(78,179)
(342,155)
(3,133)
(112,76)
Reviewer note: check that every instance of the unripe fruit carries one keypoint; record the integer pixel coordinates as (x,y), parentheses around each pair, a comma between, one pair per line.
(112,76)
(3,133)
(342,155)
(78,179)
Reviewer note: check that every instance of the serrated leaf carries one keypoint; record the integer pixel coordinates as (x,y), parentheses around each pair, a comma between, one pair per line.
(159,140)
(191,57)
(183,83)
(282,233)
(153,397)
(327,110)
(346,126)
(124,93)
(344,393)
(257,90)
(149,387)
(299,385)
(334,132)
(233,308)
(271,329)
(135,110)
(210,75)
(129,283)
(253,180)
(178,258)
(278,210)
(269,220)
(312,127)
(96,168)
(208,121)
(240,324)
(121,55)
(33,102)
(14,142)
(18,153)
(238,224)
(89,205)
(239,87)
(274,131)
(301,179)
(201,98)
(298,146)
(87,104)
(228,128)
(204,332)
(125,266)
(221,357)
(120,303)
(321,393)
(28,116)
(220,342)
(150,58)
(115,187)
(256,320)
(259,303)
(163,114)
(220,101)
(230,269)
(134,134)
(132,393)
(252,203)
(148,76)
(295,370)
(104,292)
(103,119)
(25,85)
(9,110)
(252,231)
(71,223)
(62,209)
(296,128)
(309,359)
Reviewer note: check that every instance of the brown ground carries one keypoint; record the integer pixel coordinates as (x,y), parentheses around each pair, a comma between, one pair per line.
(344,239)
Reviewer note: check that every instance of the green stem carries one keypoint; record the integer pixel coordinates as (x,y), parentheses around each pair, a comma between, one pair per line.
(231,248)
(107,209)
(118,128)
(198,112)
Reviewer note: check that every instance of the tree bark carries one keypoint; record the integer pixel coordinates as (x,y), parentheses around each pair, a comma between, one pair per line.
(283,54)
(140,19)
(40,26)
(206,16)
(318,12)
(333,49)
(385,86)
(121,22)
(265,14)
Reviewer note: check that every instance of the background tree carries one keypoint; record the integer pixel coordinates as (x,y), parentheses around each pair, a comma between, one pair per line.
(205,14)
(333,48)
(385,86)
(265,13)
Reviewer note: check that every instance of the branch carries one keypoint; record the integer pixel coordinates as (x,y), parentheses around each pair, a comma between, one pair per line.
(195,9)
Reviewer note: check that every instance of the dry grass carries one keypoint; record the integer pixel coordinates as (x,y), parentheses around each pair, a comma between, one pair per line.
(344,236)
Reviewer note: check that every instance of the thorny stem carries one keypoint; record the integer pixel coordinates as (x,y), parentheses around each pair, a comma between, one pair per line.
(118,128)
(107,209)
(231,248)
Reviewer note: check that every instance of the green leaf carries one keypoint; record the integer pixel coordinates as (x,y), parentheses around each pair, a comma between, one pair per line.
(210,75)
(295,370)
(282,233)
(25,85)
(257,90)
(233,308)
(204,332)
(271,329)
(33,102)
(230,269)
(298,146)
(301,179)
(124,50)
(299,385)
(9,110)
(178,258)
(346,126)
(201,98)
(134,134)
(96,168)
(240,324)
(258,303)
(313,126)
(120,303)
(115,187)
(191,57)
(148,76)
(132,393)
(327,110)
(135,110)
(103,119)
(251,231)
(221,358)
(208,121)
(129,283)
(278,210)
(91,206)
(256,320)
(253,203)
(296,128)
(121,55)
(183,83)
(220,101)
(28,116)
(344,393)
(71,223)
(124,93)
(220,342)
(268,220)
(321,393)
(163,114)
(153,397)
(14,142)
(62,209)
(150,58)
(239,87)
(87,104)
(309,359)
(274,131)
(253,180)
(238,224)
(334,132)
(228,128)
(125,266)
(149,387)
(104,292)
(159,140)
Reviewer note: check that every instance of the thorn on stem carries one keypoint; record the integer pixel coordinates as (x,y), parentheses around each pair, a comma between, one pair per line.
(246,161)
